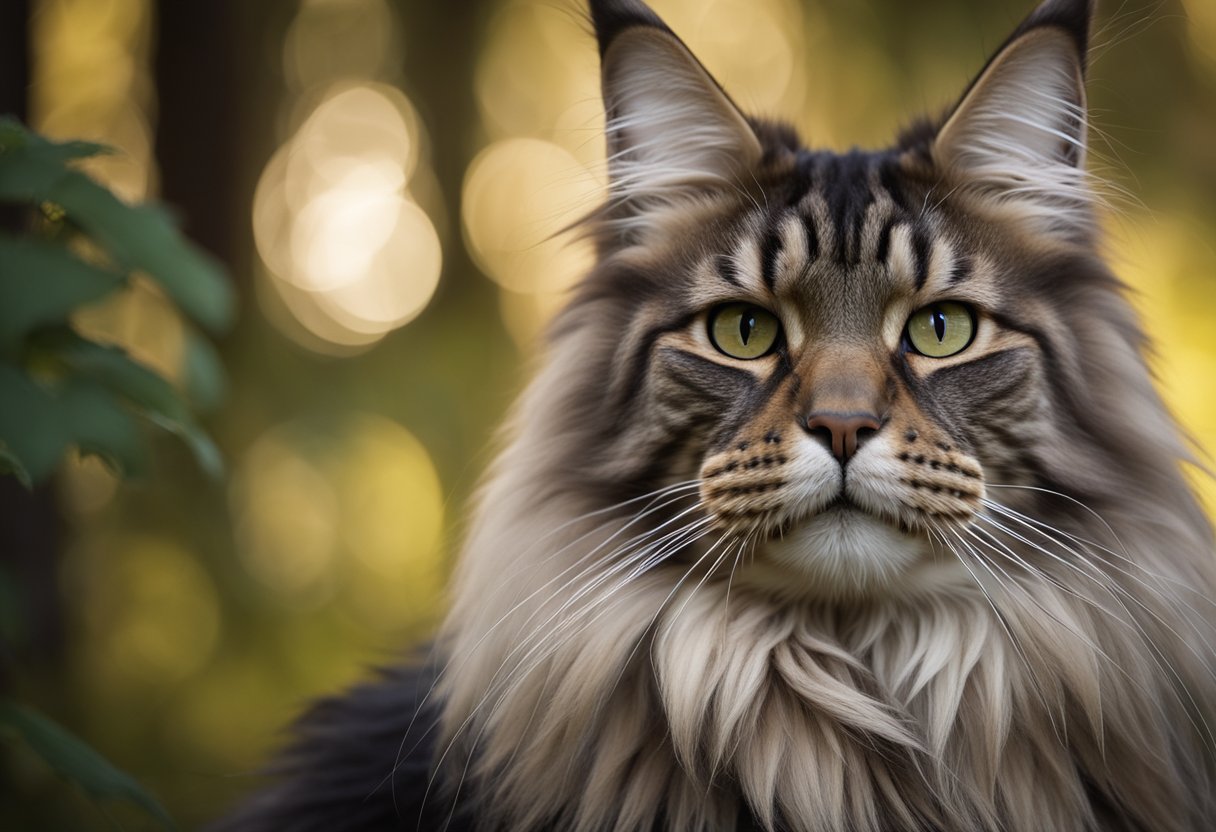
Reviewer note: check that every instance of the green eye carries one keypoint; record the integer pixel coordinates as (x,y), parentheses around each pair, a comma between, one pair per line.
(941,329)
(742,330)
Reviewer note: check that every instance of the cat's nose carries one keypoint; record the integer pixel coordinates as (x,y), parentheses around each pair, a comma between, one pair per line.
(841,433)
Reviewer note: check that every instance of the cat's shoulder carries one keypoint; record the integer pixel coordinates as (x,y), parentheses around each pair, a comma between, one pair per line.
(359,761)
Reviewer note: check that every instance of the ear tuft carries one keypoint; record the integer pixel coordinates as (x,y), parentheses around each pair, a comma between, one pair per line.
(1018,137)
(672,131)
(1071,16)
(611,17)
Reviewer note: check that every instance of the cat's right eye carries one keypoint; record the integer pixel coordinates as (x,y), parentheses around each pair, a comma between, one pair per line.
(743,330)
(941,329)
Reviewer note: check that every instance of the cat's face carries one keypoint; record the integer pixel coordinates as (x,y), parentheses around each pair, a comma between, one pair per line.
(841,349)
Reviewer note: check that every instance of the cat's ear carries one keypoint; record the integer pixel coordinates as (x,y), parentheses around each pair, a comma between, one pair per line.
(672,130)
(1018,136)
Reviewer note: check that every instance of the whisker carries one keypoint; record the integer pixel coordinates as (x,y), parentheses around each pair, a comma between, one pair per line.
(1156,653)
(680,490)
(1109,585)
(1035,683)
(1126,558)
(536,653)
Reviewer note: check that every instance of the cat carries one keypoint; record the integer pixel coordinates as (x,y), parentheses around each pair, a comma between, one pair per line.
(843,501)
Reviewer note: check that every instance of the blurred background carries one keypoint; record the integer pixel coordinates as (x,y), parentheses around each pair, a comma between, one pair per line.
(381,178)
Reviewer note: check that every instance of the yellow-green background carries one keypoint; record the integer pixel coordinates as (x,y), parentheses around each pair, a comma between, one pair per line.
(398,168)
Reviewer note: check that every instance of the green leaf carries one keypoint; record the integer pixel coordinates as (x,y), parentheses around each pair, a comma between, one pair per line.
(43,283)
(27,170)
(114,368)
(76,761)
(38,423)
(13,134)
(149,392)
(31,428)
(202,373)
(9,464)
(143,237)
(87,394)
(138,237)
(206,454)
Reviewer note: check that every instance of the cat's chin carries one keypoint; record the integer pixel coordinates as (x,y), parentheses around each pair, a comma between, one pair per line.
(844,551)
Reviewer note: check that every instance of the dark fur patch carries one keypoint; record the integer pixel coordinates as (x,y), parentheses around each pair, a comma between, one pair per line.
(357,764)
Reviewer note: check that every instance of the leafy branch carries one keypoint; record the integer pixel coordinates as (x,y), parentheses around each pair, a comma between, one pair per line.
(59,389)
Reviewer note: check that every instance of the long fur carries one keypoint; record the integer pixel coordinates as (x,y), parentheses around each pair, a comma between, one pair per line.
(608,672)
(679,608)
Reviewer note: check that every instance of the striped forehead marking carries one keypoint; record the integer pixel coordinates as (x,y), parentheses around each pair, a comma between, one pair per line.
(742,267)
(789,245)
(849,209)
(940,267)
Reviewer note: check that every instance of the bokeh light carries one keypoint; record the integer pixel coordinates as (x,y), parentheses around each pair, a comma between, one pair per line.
(355,510)
(285,515)
(98,86)
(518,91)
(349,254)
(152,612)
(754,48)
(518,197)
(392,505)
(331,39)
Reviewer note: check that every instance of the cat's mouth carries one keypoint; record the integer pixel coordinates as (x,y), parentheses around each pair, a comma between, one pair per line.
(842,548)
(840,505)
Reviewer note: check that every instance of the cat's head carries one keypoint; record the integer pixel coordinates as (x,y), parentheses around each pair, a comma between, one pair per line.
(845,350)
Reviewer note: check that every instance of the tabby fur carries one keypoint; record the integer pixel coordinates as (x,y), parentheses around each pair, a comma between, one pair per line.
(666,616)
(684,603)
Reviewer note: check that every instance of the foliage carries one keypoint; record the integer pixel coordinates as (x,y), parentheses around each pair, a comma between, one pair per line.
(59,389)
(75,761)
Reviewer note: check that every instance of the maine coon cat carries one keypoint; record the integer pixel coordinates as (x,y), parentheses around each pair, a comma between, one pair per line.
(844,501)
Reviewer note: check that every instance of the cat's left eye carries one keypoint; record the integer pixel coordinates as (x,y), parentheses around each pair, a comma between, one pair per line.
(941,329)
(743,330)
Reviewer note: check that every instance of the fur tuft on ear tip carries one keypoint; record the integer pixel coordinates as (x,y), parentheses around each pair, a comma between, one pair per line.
(1018,136)
(1073,16)
(611,17)
(672,131)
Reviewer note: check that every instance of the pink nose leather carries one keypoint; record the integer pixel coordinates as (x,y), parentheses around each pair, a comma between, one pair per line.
(842,433)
